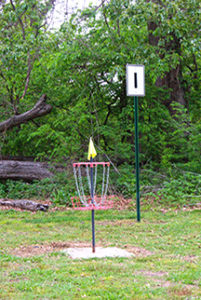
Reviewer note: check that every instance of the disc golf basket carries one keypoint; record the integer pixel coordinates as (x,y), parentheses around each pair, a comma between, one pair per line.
(85,174)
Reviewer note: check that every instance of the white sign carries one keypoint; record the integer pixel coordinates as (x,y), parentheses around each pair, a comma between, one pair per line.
(135,82)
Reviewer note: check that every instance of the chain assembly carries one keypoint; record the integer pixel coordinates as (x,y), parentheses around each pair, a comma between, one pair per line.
(78,170)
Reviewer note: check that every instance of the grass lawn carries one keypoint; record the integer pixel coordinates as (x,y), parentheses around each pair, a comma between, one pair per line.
(166,262)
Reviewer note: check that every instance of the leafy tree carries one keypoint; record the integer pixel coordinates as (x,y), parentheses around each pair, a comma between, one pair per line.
(22,35)
(81,68)
(90,77)
(173,35)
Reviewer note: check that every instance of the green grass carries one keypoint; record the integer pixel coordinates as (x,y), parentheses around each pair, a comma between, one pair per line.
(172,271)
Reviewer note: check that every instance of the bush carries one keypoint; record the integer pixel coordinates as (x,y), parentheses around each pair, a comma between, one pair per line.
(178,188)
(59,189)
(175,187)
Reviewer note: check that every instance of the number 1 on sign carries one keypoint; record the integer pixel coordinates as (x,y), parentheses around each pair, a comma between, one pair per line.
(135,80)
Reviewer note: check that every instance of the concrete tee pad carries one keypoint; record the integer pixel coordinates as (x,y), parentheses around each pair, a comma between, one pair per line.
(85,253)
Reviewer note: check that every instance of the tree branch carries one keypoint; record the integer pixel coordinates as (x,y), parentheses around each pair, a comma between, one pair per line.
(41,108)
(20,20)
(30,67)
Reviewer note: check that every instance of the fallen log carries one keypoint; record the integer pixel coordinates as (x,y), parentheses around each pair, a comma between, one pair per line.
(24,170)
(24,204)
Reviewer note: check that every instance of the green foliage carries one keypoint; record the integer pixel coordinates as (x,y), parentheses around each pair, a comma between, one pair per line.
(63,193)
(124,182)
(81,68)
(173,188)
(2,190)
(182,143)
(19,189)
(181,190)
(58,189)
(176,189)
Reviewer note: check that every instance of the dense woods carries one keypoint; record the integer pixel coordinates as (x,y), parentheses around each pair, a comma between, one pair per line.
(58,87)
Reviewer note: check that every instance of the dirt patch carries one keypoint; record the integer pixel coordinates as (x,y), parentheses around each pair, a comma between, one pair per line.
(119,203)
(182,292)
(40,249)
(138,252)
(117,222)
(156,277)
(122,203)
(5,207)
(196,206)
(61,245)
(152,274)
(160,281)
(32,250)
(190,258)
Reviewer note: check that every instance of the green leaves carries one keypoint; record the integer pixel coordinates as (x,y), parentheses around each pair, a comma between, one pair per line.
(81,68)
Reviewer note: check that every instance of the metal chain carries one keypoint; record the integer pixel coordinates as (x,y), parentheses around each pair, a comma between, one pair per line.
(95,178)
(79,183)
(94,187)
(83,198)
(103,185)
(76,182)
(107,181)
(88,179)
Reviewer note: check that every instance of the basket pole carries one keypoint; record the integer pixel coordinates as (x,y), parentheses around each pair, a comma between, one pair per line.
(92,211)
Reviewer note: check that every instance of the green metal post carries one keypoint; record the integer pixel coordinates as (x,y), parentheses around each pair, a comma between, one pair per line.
(137,158)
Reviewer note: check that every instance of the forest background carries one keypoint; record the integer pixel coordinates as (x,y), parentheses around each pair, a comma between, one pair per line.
(76,76)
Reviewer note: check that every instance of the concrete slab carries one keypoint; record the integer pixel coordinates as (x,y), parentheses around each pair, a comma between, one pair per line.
(85,253)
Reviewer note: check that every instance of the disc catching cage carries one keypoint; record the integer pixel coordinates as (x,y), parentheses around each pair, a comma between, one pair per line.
(92,181)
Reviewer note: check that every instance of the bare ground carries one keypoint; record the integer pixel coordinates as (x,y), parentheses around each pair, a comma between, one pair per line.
(40,249)
(119,203)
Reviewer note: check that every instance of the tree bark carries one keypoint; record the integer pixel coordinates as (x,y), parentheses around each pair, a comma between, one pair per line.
(25,170)
(41,108)
(25,204)
(171,79)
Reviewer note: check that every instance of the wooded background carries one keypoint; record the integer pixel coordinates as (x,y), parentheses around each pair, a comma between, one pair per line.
(58,87)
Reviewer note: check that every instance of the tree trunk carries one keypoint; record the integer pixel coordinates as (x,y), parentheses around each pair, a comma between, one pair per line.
(172,82)
(172,79)
(25,170)
(41,108)
(24,204)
